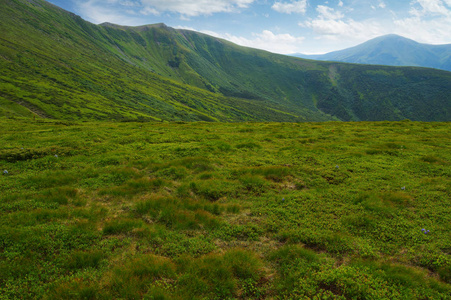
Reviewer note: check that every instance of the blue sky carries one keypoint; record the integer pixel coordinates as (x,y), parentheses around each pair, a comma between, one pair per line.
(281,26)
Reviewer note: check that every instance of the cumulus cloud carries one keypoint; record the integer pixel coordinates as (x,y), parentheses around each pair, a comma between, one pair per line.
(130,3)
(149,11)
(431,7)
(106,11)
(340,29)
(380,5)
(425,31)
(325,12)
(193,8)
(297,7)
(331,24)
(429,22)
(267,40)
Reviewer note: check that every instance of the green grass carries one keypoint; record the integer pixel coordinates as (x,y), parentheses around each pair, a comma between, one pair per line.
(224,210)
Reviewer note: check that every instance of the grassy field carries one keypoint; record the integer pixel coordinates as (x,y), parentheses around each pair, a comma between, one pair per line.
(224,210)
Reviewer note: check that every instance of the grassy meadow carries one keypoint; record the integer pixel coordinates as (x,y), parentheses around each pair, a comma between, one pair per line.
(98,210)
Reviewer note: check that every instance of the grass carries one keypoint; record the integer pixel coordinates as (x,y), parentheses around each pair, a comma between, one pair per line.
(224,210)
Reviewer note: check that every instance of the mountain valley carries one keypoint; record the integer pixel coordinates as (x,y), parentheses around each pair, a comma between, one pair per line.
(56,65)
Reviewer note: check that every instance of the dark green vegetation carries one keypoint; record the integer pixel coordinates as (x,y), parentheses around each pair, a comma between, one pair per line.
(392,50)
(57,65)
(224,211)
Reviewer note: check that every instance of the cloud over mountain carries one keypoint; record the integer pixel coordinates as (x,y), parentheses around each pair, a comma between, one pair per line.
(267,40)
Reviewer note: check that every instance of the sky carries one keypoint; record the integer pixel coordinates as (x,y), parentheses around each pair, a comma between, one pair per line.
(281,26)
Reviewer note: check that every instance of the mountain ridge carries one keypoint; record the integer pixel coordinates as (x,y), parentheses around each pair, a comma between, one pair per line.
(73,69)
(392,50)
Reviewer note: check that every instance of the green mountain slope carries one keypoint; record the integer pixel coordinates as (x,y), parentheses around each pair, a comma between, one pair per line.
(57,65)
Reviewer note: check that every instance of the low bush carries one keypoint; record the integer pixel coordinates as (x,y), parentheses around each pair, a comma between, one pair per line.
(121,226)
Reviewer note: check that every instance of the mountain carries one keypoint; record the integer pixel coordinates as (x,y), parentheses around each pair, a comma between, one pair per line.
(56,65)
(392,50)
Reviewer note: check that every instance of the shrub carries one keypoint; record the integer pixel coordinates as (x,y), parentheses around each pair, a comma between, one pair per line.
(133,187)
(135,277)
(76,289)
(196,164)
(244,264)
(372,203)
(223,146)
(213,189)
(432,159)
(218,275)
(359,222)
(252,183)
(274,173)
(15,155)
(249,145)
(396,198)
(445,273)
(121,226)
(48,179)
(82,259)
(173,172)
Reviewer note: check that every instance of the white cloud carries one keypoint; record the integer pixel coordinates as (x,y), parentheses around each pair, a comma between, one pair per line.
(349,29)
(331,24)
(425,31)
(431,7)
(326,12)
(277,43)
(195,7)
(340,3)
(431,23)
(298,7)
(98,12)
(130,3)
(185,28)
(380,5)
(149,11)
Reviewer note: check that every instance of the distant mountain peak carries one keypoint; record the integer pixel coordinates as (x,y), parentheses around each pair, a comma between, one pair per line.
(392,36)
(392,50)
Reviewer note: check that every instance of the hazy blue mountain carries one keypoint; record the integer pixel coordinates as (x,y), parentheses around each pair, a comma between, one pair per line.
(392,50)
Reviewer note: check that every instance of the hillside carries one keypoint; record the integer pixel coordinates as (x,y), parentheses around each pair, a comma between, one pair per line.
(392,50)
(99,210)
(57,65)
